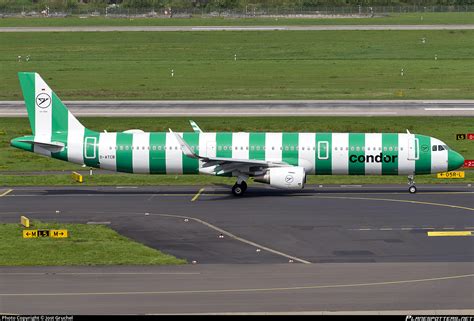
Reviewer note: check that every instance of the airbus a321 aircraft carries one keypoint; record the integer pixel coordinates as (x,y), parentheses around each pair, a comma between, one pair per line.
(282,160)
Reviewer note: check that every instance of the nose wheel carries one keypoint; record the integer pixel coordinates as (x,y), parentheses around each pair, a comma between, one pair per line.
(411,182)
(239,189)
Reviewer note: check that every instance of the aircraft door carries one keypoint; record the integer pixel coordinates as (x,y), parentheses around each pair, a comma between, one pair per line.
(90,148)
(413,148)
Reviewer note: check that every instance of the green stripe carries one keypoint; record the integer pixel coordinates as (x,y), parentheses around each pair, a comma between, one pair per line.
(223,142)
(59,126)
(257,144)
(157,153)
(124,153)
(390,141)
(191,165)
(356,144)
(423,164)
(27,82)
(323,166)
(89,148)
(289,152)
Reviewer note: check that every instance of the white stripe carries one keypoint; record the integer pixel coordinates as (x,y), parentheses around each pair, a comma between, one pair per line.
(405,166)
(306,153)
(340,158)
(43,116)
(273,142)
(374,141)
(174,155)
(75,140)
(141,153)
(107,152)
(439,159)
(241,141)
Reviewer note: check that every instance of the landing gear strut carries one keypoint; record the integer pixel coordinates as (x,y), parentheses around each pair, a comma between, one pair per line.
(240,187)
(411,182)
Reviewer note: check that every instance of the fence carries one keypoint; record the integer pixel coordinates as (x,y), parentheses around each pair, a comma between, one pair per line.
(37,10)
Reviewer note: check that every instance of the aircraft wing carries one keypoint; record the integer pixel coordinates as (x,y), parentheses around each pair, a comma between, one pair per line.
(225,165)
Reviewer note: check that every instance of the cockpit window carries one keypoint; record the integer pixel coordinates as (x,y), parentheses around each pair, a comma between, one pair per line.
(434,148)
(446,147)
(440,147)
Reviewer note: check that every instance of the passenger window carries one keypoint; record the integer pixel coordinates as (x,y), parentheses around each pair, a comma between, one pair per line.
(434,148)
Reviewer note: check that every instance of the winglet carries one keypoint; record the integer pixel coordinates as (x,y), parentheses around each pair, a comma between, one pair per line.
(195,126)
(184,146)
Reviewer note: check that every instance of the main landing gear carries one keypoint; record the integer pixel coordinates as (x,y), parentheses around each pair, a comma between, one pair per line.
(411,182)
(240,187)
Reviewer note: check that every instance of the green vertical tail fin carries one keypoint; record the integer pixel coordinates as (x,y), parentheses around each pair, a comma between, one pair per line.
(47,113)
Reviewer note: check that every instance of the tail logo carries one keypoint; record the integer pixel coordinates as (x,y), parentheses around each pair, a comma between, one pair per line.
(43,100)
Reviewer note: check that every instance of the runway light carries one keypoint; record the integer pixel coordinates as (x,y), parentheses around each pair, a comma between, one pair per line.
(146,214)
(194,262)
(186,220)
(257,250)
(57,212)
(290,261)
(221,236)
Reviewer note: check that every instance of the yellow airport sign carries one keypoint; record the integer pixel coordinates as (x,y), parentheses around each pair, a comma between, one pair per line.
(57,234)
(77,177)
(454,174)
(29,234)
(25,221)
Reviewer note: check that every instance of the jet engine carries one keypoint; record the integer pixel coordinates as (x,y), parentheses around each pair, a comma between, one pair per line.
(283,177)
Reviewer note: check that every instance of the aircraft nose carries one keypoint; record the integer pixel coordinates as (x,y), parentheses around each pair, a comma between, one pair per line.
(455,160)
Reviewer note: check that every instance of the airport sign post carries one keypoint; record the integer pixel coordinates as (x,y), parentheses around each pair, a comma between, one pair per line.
(25,221)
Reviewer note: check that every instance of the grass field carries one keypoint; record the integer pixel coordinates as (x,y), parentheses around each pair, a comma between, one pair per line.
(86,245)
(269,65)
(16,160)
(393,18)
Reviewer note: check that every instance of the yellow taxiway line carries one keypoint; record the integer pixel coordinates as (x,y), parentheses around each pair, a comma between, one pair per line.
(450,233)
(197,195)
(6,192)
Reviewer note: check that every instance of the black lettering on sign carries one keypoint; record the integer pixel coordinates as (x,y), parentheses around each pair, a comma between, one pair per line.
(43,233)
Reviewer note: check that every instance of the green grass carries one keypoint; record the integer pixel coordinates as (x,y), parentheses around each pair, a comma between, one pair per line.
(201,180)
(11,159)
(86,245)
(270,65)
(393,18)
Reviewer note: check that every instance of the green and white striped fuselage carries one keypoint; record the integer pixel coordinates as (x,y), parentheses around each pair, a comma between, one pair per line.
(281,159)
(317,153)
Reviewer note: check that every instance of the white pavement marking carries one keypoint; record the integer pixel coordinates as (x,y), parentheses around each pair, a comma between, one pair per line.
(236,237)
(274,289)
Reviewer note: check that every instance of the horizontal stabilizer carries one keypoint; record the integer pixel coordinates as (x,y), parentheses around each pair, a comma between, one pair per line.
(53,147)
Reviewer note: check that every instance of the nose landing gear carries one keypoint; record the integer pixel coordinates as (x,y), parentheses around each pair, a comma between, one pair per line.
(411,182)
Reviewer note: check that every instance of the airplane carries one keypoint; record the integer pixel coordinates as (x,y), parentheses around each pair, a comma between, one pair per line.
(282,160)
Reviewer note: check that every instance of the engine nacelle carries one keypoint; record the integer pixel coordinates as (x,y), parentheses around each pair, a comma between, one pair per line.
(283,177)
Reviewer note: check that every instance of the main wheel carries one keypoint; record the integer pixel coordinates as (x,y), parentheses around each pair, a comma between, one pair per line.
(238,190)
(412,189)
(244,186)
